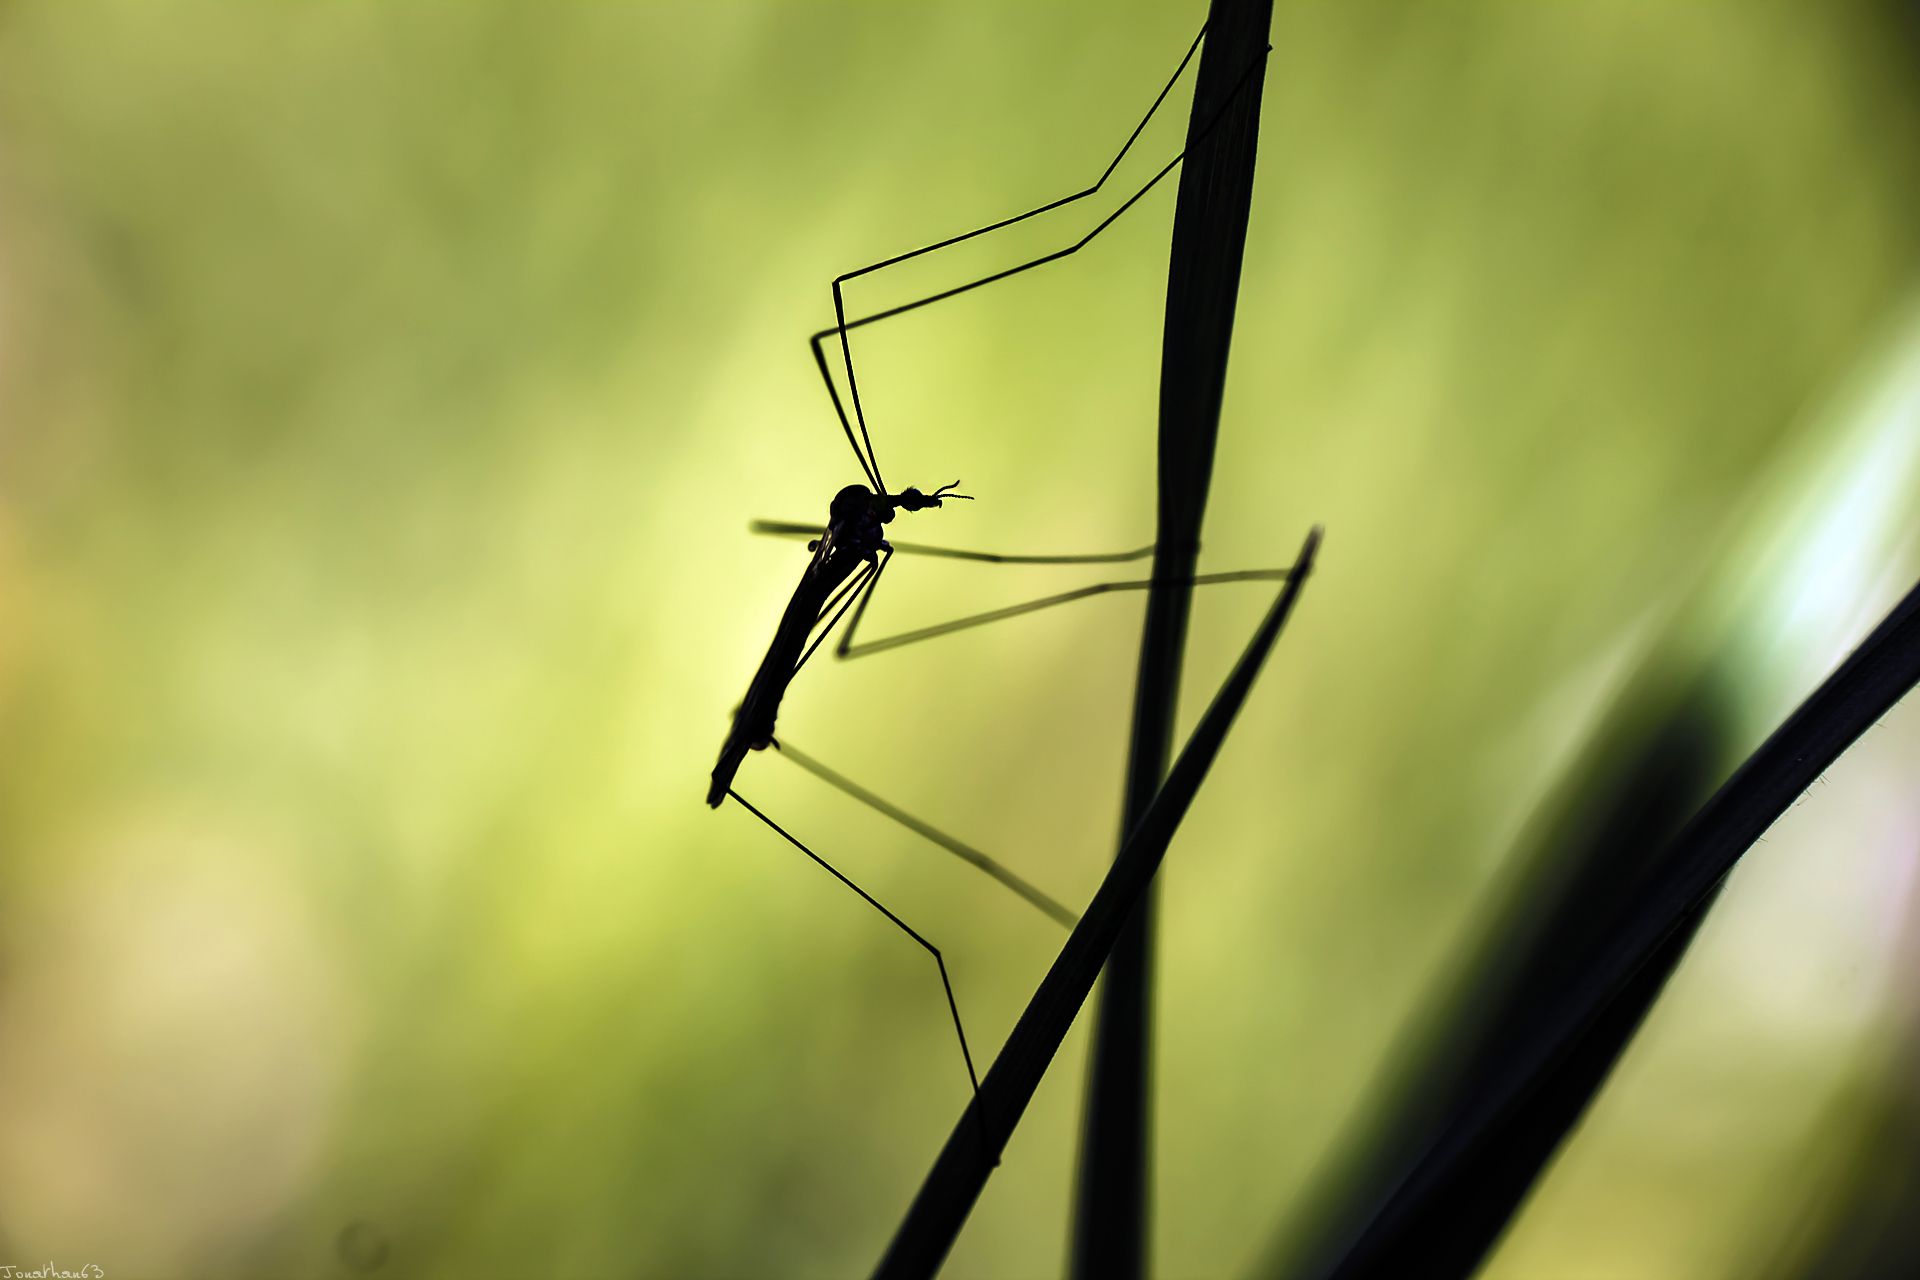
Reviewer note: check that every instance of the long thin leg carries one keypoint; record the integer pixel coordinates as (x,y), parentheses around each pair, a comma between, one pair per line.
(851,585)
(795,529)
(860,610)
(965,852)
(870,462)
(843,326)
(867,576)
(848,649)
(953,1006)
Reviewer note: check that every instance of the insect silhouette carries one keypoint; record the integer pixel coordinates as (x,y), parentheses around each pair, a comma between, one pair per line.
(845,558)
(851,554)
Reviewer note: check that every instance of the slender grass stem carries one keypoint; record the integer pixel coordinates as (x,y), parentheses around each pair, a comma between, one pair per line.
(1111,1213)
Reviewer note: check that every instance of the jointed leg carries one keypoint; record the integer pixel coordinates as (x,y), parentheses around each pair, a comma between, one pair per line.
(953,1006)
(860,610)
(869,462)
(842,325)
(865,577)
(866,585)
(965,852)
(795,529)
(838,600)
(848,649)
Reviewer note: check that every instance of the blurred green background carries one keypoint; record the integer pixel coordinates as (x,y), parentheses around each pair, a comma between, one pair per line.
(384,392)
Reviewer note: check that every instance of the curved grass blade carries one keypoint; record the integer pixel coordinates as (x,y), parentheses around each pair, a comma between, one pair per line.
(1416,1229)
(1775,613)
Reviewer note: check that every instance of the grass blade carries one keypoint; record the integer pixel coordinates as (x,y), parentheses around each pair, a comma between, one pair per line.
(1697,699)
(1650,767)
(958,1174)
(1551,1067)
(1110,1240)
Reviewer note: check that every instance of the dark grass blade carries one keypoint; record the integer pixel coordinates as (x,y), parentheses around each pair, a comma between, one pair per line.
(955,1182)
(1110,1234)
(1584,865)
(1437,1217)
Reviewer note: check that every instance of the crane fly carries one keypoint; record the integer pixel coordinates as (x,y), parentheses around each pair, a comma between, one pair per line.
(846,557)
(850,554)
